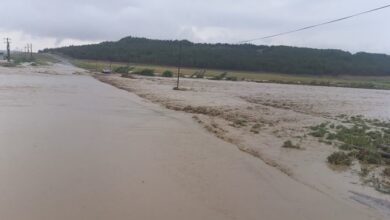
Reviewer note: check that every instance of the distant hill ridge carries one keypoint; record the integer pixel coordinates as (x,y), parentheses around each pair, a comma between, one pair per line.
(281,59)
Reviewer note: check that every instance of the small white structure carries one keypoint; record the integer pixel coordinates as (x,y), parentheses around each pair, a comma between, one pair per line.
(106,70)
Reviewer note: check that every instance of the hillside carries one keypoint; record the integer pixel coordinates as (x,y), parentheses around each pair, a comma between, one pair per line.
(282,59)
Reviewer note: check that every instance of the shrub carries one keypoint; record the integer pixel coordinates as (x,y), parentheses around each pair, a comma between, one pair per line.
(122,69)
(345,147)
(145,72)
(220,76)
(231,78)
(319,130)
(339,158)
(199,74)
(369,157)
(325,142)
(289,144)
(127,75)
(331,136)
(364,171)
(256,128)
(239,122)
(167,73)
(338,127)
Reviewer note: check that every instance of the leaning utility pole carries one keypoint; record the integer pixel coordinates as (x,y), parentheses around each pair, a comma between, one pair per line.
(7,41)
(179,66)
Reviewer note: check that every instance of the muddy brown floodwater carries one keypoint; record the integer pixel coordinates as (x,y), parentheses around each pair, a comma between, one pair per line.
(74,148)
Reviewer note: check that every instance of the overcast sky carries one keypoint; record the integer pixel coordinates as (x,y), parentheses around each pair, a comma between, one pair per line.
(52,23)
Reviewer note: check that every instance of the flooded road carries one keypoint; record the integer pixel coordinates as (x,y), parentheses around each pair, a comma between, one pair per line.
(73,148)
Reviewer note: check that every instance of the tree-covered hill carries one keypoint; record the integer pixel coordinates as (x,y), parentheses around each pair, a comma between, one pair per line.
(282,59)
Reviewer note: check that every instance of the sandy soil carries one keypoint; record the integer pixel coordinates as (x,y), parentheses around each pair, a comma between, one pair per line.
(258,118)
(72,147)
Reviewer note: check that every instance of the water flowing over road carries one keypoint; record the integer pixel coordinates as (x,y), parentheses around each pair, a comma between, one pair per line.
(73,148)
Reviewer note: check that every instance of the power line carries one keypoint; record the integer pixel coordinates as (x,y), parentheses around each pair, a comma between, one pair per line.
(316,25)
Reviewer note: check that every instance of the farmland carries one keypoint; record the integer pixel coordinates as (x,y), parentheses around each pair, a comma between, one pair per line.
(368,82)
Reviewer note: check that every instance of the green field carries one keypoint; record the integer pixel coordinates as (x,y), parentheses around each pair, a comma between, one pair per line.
(36,59)
(367,82)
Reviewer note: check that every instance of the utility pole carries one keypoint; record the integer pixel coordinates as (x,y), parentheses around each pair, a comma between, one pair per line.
(179,66)
(27,50)
(31,52)
(7,41)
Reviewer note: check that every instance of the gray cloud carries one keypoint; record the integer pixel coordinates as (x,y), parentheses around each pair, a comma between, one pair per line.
(50,22)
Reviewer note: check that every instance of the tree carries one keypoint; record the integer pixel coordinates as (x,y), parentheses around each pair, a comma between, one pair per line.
(281,59)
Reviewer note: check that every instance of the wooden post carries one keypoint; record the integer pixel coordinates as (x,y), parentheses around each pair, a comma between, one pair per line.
(179,66)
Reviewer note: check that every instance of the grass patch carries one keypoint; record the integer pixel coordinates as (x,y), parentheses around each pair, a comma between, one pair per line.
(366,140)
(10,64)
(37,59)
(370,137)
(44,59)
(386,172)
